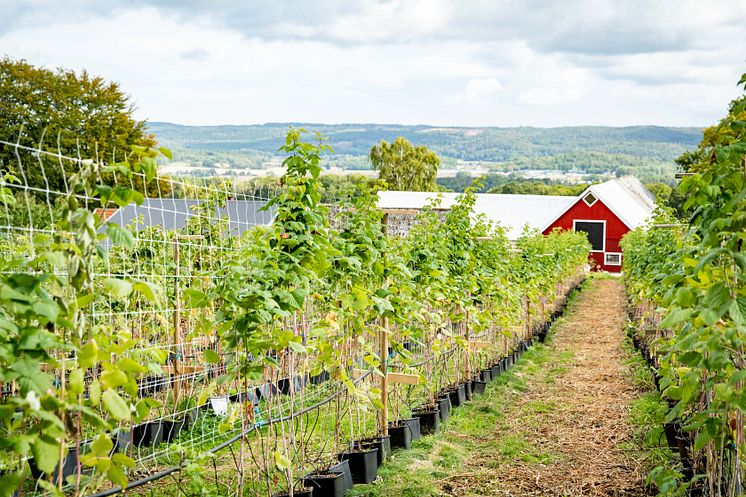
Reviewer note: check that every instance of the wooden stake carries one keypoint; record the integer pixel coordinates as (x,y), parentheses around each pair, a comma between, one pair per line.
(468,348)
(383,417)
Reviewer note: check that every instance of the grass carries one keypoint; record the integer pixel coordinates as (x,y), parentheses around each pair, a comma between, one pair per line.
(476,432)
(647,414)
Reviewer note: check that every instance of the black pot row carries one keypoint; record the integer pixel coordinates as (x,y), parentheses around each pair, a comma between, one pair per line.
(358,466)
(678,440)
(146,434)
(361,465)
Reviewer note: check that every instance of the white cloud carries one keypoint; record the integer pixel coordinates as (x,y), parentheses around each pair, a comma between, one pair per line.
(437,62)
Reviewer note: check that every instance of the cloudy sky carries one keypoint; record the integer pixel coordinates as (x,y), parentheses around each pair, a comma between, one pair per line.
(443,62)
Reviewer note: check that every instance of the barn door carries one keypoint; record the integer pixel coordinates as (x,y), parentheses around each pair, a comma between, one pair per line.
(596,231)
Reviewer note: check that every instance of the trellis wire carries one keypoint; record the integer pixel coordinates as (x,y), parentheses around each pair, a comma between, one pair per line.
(153,260)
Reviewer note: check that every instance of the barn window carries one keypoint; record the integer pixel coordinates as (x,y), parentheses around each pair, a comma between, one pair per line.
(590,199)
(613,259)
(596,231)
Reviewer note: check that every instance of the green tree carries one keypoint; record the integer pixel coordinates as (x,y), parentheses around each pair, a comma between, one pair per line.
(404,166)
(77,114)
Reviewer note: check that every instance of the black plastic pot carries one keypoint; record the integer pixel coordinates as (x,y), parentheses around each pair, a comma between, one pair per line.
(266,390)
(284,385)
(326,484)
(429,420)
(383,444)
(172,428)
(672,435)
(320,378)
(414,427)
(242,397)
(504,365)
(467,389)
(487,375)
(140,436)
(150,385)
(444,406)
(400,436)
(363,464)
(343,468)
(495,370)
(458,396)
(478,387)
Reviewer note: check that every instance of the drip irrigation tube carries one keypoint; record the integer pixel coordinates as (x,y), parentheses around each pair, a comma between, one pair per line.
(173,469)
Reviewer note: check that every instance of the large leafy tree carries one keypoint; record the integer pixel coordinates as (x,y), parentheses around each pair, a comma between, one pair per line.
(77,114)
(404,166)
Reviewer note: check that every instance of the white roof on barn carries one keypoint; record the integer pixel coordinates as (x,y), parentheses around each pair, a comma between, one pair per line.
(512,212)
(626,197)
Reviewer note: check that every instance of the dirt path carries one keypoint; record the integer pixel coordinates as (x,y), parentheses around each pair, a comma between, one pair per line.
(557,425)
(584,419)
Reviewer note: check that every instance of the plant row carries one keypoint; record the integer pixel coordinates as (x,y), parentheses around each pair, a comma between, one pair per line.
(687,289)
(125,351)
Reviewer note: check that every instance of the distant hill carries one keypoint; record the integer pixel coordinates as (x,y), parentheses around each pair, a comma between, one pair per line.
(646,151)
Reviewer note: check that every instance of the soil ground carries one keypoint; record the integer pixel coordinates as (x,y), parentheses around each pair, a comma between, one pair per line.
(574,418)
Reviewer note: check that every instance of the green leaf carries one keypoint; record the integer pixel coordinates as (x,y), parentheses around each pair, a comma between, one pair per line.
(76,381)
(123,460)
(46,308)
(282,462)
(94,392)
(120,235)
(676,316)
(116,405)
(297,347)
(117,288)
(211,357)
(46,454)
(9,484)
(735,313)
(196,298)
(148,290)
(130,366)
(166,152)
(117,476)
(102,445)
(88,355)
(113,378)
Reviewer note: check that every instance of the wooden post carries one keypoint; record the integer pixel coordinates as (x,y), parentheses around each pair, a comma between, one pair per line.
(383,344)
(177,312)
(468,348)
(383,416)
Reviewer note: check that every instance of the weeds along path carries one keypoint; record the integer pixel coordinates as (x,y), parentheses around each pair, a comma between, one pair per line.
(557,425)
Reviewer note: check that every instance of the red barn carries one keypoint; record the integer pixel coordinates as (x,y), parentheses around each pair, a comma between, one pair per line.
(606,212)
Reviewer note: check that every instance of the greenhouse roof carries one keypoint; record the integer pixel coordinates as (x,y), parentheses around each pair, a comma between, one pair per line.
(172,214)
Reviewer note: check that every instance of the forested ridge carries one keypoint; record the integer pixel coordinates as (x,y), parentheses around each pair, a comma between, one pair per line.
(646,151)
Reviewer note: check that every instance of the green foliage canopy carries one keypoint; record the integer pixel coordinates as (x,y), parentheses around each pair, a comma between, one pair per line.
(75,114)
(405,167)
